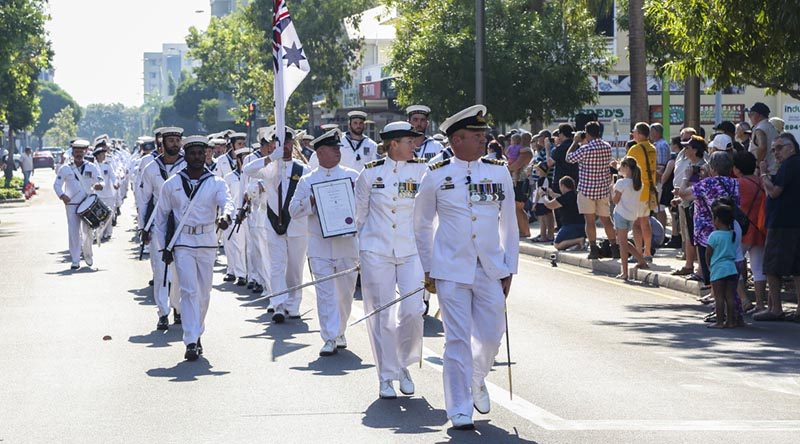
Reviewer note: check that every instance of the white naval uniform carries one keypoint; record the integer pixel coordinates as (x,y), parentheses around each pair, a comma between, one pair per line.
(475,245)
(235,238)
(328,256)
(225,165)
(152,181)
(355,153)
(76,183)
(385,193)
(286,251)
(196,244)
(258,256)
(108,195)
(428,149)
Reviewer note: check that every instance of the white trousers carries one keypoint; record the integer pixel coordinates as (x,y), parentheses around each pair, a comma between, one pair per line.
(106,229)
(395,333)
(474,324)
(80,236)
(258,255)
(286,256)
(334,296)
(236,250)
(164,295)
(195,270)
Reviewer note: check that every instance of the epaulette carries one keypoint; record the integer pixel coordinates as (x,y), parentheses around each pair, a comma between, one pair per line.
(375,163)
(438,164)
(494,161)
(417,160)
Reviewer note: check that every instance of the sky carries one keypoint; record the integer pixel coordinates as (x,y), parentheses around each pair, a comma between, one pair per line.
(99,44)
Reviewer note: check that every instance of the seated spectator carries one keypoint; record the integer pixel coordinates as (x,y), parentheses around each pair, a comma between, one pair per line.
(572,232)
(782,248)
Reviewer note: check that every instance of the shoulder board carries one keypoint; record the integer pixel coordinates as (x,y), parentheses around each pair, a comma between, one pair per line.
(375,163)
(439,164)
(417,160)
(494,161)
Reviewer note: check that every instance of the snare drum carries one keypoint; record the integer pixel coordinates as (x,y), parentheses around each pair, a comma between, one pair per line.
(93,211)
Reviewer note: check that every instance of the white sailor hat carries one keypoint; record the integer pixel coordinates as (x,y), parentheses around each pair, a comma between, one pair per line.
(472,118)
(331,138)
(243,150)
(396,130)
(171,131)
(418,109)
(227,133)
(328,126)
(357,115)
(147,143)
(265,133)
(255,146)
(308,137)
(80,144)
(439,138)
(101,148)
(158,131)
(233,136)
(289,134)
(217,141)
(192,141)
(98,141)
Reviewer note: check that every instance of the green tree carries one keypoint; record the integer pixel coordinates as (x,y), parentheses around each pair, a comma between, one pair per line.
(24,53)
(62,127)
(114,119)
(52,99)
(539,57)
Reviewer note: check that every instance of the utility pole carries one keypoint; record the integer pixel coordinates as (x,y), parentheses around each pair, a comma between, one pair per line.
(480,43)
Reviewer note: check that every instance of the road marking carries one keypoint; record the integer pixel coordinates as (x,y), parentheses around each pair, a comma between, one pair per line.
(604,280)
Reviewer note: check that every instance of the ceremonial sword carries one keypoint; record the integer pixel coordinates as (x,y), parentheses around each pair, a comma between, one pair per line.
(385,306)
(308,284)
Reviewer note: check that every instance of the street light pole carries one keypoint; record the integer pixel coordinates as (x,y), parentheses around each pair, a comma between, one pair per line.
(480,43)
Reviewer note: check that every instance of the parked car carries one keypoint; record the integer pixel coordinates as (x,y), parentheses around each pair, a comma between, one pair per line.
(43,159)
(58,153)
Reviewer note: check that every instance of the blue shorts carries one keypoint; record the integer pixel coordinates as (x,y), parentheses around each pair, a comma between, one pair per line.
(569,232)
(620,223)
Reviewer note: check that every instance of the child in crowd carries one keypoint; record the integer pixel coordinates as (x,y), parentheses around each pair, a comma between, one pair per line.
(721,256)
(542,213)
(627,207)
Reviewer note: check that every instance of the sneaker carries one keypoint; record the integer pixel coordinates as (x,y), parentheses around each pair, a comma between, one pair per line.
(329,348)
(480,398)
(192,353)
(341,342)
(387,391)
(406,384)
(648,259)
(163,323)
(462,422)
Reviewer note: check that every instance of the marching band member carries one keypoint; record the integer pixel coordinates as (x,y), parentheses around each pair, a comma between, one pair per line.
(235,236)
(108,194)
(211,162)
(425,147)
(470,256)
(286,234)
(357,149)
(74,182)
(328,255)
(385,193)
(226,163)
(193,197)
(258,258)
(154,175)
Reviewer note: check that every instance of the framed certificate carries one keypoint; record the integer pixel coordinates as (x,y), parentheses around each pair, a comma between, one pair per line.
(336,207)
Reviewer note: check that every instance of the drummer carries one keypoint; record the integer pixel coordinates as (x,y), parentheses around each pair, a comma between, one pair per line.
(110,185)
(74,182)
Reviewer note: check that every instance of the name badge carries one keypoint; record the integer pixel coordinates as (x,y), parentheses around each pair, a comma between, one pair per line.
(87,174)
(379,183)
(366,151)
(448,184)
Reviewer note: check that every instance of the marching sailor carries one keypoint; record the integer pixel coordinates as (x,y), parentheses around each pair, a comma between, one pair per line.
(211,162)
(305,145)
(193,197)
(425,147)
(470,257)
(226,163)
(385,193)
(74,182)
(236,235)
(108,195)
(287,235)
(357,149)
(328,255)
(155,173)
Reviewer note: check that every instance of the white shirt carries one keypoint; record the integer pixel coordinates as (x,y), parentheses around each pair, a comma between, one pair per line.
(26,161)
(428,149)
(271,176)
(109,181)
(225,164)
(469,230)
(332,248)
(152,181)
(630,203)
(385,193)
(234,182)
(77,182)
(213,194)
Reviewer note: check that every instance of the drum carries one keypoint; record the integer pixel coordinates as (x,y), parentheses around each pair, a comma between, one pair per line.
(93,211)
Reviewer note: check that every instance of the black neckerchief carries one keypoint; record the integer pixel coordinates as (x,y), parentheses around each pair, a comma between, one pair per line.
(231,160)
(350,142)
(163,166)
(187,184)
(421,148)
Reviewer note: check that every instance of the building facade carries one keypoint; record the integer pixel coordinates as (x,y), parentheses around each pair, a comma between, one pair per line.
(162,70)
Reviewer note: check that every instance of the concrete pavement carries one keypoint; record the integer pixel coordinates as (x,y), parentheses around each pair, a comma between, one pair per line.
(594,360)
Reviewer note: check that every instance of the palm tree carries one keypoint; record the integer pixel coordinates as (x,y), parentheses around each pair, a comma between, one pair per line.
(638,62)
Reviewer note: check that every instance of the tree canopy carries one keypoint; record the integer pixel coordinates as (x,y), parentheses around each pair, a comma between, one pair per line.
(52,99)
(62,127)
(114,119)
(540,57)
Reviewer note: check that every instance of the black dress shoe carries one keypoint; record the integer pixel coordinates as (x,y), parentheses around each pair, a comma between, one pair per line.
(177,317)
(150,283)
(241,282)
(278,317)
(74,267)
(427,307)
(228,278)
(250,285)
(163,323)
(199,347)
(270,309)
(192,353)
(258,288)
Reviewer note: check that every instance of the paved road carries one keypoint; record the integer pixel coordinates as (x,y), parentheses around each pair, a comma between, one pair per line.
(594,361)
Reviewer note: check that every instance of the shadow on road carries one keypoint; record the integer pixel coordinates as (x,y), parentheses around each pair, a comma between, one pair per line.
(433,328)
(83,270)
(763,347)
(144,296)
(339,364)
(404,415)
(485,432)
(186,371)
(157,338)
(280,334)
